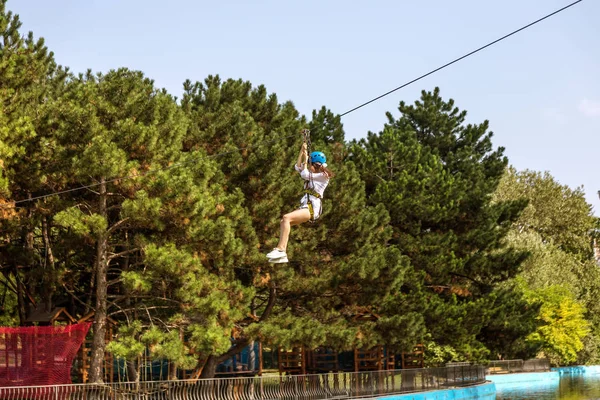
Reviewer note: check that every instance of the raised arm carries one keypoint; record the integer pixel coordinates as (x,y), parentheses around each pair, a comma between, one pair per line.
(302,157)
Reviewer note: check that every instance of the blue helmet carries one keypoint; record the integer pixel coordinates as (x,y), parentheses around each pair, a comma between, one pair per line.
(318,157)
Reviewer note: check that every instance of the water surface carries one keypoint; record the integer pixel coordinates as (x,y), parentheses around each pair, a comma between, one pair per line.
(568,387)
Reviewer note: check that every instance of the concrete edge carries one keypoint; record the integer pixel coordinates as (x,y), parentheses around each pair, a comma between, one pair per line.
(523,377)
(483,391)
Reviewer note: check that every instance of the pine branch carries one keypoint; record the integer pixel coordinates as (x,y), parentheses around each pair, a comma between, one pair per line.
(270,304)
(9,287)
(239,344)
(110,283)
(125,310)
(475,281)
(116,225)
(77,298)
(112,256)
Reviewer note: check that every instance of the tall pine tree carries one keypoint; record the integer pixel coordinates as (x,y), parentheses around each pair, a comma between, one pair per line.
(436,175)
(341,266)
(118,125)
(29,80)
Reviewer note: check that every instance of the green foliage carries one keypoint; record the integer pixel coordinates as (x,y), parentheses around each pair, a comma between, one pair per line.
(344,268)
(548,265)
(136,282)
(435,175)
(80,223)
(8,307)
(168,345)
(420,240)
(437,355)
(29,81)
(556,212)
(563,328)
(126,344)
(26,67)
(561,275)
(288,330)
(511,319)
(590,354)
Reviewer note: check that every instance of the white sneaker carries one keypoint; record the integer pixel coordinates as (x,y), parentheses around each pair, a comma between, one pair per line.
(276,253)
(280,260)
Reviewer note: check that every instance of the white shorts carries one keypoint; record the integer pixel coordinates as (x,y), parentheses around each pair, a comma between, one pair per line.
(316,203)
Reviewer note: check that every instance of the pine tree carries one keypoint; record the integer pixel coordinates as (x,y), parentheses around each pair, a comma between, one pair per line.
(29,78)
(435,175)
(113,126)
(341,266)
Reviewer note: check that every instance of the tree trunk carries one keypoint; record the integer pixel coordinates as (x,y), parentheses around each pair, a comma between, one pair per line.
(99,344)
(210,367)
(132,371)
(251,357)
(173,372)
(27,237)
(20,299)
(90,294)
(50,271)
(213,361)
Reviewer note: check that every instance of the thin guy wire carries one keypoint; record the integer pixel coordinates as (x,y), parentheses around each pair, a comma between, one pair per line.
(10,205)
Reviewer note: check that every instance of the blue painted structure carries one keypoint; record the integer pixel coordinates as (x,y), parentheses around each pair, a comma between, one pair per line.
(524,377)
(578,369)
(486,391)
(244,363)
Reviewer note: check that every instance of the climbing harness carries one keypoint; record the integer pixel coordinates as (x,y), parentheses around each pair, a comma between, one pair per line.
(312,192)
(308,189)
(311,210)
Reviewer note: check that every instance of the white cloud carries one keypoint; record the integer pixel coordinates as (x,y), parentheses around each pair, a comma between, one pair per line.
(590,108)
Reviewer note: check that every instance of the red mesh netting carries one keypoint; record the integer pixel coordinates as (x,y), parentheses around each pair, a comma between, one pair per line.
(39,355)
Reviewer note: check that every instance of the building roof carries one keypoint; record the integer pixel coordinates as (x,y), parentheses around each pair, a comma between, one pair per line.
(40,314)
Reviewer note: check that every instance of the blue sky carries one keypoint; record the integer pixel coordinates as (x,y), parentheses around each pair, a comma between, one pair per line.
(539,89)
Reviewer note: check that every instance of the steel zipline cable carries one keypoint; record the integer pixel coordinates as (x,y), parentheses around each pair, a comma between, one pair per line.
(461,58)
(13,203)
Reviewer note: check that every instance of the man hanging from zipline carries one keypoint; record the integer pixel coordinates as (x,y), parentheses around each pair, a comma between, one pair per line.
(316,177)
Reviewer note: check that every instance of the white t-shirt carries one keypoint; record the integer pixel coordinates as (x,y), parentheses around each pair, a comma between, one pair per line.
(319,180)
